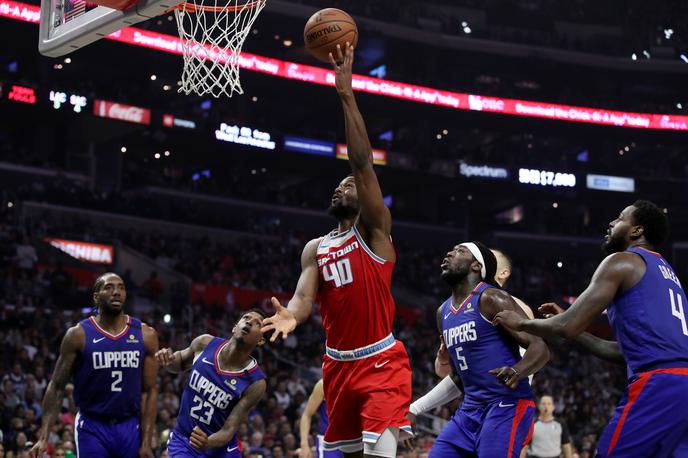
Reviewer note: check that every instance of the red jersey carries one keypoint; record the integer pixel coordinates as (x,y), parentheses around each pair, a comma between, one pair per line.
(356,303)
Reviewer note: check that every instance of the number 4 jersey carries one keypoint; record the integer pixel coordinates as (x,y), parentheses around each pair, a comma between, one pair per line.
(109,373)
(649,319)
(356,304)
(211,393)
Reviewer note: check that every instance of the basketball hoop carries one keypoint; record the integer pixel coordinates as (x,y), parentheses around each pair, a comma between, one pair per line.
(212,36)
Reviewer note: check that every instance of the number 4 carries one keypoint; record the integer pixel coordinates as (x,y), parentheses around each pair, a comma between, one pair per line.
(677,309)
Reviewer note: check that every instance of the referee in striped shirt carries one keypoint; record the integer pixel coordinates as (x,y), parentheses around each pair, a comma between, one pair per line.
(550,437)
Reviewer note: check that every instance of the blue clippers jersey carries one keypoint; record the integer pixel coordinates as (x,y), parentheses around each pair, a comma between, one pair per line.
(649,319)
(210,393)
(476,347)
(109,373)
(324,420)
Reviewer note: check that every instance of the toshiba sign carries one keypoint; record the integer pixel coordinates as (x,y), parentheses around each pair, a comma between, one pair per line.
(121,112)
(83,251)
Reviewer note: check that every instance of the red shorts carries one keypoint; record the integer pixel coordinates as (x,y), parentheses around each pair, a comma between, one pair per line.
(366,396)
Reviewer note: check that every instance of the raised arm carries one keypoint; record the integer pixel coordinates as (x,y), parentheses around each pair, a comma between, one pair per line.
(72,345)
(617,272)
(608,350)
(182,360)
(149,391)
(314,401)
(253,394)
(375,216)
(493,302)
(285,319)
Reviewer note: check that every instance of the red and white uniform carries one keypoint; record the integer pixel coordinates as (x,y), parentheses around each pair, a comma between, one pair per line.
(366,372)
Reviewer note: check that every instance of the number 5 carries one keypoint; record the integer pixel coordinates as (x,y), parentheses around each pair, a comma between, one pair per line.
(462,361)
(677,309)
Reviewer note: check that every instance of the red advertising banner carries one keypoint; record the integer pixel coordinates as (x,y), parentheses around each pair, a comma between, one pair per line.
(396,89)
(121,112)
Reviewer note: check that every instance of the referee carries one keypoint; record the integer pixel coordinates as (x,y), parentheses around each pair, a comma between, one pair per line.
(550,437)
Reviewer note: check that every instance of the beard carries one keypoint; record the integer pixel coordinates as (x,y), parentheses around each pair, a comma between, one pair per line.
(615,244)
(452,277)
(341,211)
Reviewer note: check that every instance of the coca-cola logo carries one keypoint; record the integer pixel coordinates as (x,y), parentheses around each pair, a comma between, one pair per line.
(122,112)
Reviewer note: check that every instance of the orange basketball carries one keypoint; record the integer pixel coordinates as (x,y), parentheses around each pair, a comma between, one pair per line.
(326,29)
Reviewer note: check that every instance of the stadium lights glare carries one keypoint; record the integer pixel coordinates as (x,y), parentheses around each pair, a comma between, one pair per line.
(467,30)
(646,54)
(157,155)
(679,106)
(560,264)
(634,56)
(684,58)
(668,33)
(439,136)
(445,132)
(167,318)
(287,43)
(167,153)
(555,205)
(10,204)
(153,77)
(68,60)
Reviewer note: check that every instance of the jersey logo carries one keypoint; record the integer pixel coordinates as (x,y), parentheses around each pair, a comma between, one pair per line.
(132,339)
(447,315)
(98,340)
(379,365)
(501,404)
(231,384)
(468,308)
(207,362)
(231,449)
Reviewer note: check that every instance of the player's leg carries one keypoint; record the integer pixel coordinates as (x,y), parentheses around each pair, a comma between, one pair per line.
(506,427)
(651,419)
(179,447)
(384,382)
(343,406)
(458,438)
(90,437)
(125,439)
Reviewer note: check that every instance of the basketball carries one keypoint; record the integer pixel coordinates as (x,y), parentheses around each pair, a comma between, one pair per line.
(326,29)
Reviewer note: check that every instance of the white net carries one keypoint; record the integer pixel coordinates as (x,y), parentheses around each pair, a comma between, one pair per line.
(212,34)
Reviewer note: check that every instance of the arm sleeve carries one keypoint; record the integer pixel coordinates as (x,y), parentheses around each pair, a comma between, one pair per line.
(444,392)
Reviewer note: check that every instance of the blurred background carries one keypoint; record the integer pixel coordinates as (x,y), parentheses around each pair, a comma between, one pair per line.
(203,205)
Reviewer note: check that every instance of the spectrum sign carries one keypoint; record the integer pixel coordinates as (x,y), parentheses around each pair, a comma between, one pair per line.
(610,183)
(482,171)
(170,121)
(379,155)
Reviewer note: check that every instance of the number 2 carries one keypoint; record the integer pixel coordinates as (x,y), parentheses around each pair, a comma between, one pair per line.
(339,273)
(463,365)
(199,404)
(677,309)
(117,375)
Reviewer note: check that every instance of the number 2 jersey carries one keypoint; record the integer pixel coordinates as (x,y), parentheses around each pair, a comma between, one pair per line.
(649,319)
(475,347)
(108,374)
(356,304)
(211,393)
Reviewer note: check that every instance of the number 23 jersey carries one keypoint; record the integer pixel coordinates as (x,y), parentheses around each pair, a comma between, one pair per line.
(356,304)
(211,393)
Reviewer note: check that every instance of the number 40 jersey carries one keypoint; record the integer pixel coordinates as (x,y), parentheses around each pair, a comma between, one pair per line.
(356,304)
(211,393)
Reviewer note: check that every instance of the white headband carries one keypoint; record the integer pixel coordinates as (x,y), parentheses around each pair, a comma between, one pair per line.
(475,251)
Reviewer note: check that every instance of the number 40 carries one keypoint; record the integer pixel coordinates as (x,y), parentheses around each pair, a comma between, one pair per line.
(339,273)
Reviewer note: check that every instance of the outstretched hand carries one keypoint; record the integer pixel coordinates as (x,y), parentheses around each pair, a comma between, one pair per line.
(342,65)
(282,322)
(508,319)
(550,309)
(507,375)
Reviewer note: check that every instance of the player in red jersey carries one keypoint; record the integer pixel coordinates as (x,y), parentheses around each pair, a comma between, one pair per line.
(366,372)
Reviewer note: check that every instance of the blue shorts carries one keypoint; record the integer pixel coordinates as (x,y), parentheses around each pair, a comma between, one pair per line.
(106,439)
(651,419)
(178,446)
(321,453)
(496,430)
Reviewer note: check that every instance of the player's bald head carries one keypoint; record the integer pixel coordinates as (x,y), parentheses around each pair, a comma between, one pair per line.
(504,265)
